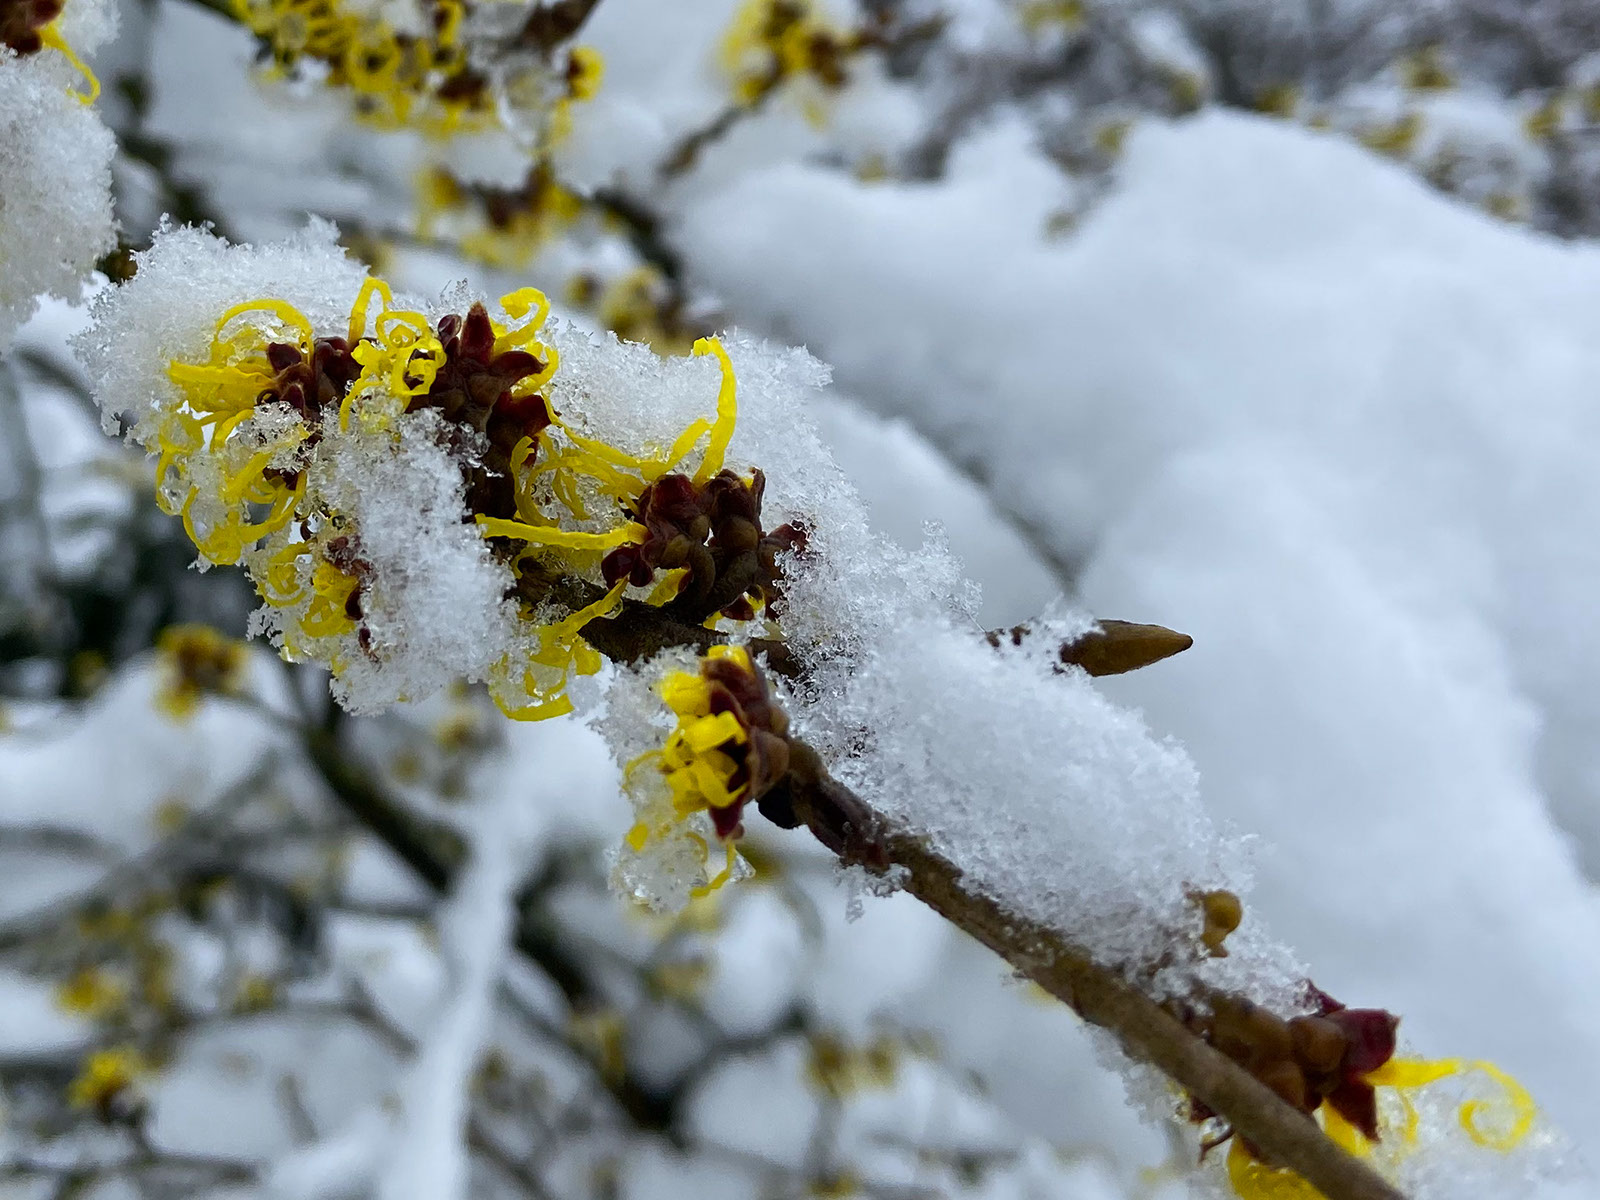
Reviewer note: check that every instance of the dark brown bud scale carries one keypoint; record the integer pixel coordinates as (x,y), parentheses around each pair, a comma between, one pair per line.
(763,759)
(714,530)
(22,23)
(1309,1060)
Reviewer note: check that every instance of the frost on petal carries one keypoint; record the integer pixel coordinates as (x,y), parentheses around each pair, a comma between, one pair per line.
(55,187)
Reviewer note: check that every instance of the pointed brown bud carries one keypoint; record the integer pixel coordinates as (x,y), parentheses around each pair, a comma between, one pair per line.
(1119,646)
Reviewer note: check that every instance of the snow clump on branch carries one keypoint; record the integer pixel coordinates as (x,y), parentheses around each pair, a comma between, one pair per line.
(55,156)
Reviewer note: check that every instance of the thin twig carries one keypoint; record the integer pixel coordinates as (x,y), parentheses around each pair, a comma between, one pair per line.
(849,827)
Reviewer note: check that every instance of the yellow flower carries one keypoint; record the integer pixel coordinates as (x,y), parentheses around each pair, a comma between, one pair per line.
(197,661)
(106,1078)
(728,748)
(91,992)
(771,42)
(1499,1124)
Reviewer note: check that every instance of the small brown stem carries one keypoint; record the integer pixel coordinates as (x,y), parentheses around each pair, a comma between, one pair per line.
(847,825)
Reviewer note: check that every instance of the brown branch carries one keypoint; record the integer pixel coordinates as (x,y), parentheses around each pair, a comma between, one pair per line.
(849,827)
(686,152)
(437,854)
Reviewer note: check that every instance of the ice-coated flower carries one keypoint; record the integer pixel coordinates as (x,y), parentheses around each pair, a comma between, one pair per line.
(408,502)
(727,749)
(55,157)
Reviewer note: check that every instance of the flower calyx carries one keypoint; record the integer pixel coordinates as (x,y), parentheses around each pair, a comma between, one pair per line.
(1320,1058)
(23,23)
(712,530)
(474,388)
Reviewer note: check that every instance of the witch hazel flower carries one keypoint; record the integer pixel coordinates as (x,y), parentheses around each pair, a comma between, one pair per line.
(727,749)
(55,155)
(394,477)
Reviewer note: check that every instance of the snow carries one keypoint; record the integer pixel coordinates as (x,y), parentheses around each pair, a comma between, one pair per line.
(55,185)
(429,1153)
(1338,429)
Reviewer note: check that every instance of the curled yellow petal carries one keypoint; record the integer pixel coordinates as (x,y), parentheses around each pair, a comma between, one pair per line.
(571,539)
(727,411)
(1517,1105)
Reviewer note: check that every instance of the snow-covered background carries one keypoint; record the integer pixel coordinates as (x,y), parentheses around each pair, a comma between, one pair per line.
(1110,312)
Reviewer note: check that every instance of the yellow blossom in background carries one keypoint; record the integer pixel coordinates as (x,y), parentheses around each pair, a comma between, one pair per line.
(500,227)
(601,1035)
(254,993)
(93,993)
(398,79)
(1040,15)
(771,42)
(840,1069)
(428,79)
(106,1077)
(681,979)
(639,306)
(196,661)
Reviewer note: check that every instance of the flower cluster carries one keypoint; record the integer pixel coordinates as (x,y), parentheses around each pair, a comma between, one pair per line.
(727,750)
(1332,1062)
(419,69)
(407,499)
